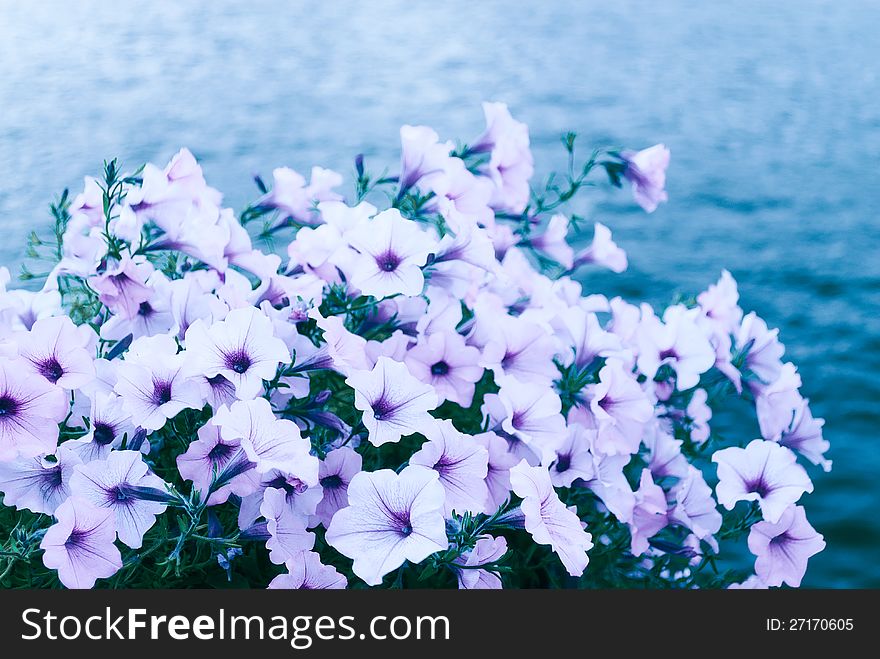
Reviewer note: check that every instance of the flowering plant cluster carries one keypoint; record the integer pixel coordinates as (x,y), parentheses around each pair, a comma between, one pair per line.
(405,387)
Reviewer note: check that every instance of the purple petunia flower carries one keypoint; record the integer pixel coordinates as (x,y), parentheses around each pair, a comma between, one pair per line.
(548,520)
(241,348)
(498,473)
(602,251)
(620,409)
(334,474)
(646,170)
(391,518)
(422,155)
(287,528)
(764,472)
(649,513)
(695,508)
(39,484)
(208,456)
(805,436)
(486,550)
(521,349)
(109,424)
(444,361)
(80,544)
(393,402)
(462,465)
(60,351)
(107,484)
(30,411)
(784,547)
(573,459)
(306,572)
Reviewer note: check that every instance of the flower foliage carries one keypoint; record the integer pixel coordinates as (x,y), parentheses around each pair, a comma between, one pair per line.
(403,386)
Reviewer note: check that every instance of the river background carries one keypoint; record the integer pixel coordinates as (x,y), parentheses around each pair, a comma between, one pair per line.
(770,110)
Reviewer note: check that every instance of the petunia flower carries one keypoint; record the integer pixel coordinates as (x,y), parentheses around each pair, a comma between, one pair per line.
(60,351)
(334,474)
(783,547)
(80,544)
(521,349)
(38,484)
(122,287)
(620,409)
(108,484)
(444,361)
(602,251)
(242,348)
(153,384)
(306,572)
(695,508)
(646,171)
(109,424)
(498,472)
(393,402)
(485,551)
(649,513)
(548,520)
(422,155)
(208,456)
(392,251)
(764,472)
(676,341)
(287,530)
(30,410)
(462,465)
(664,452)
(584,339)
(763,351)
(573,459)
(268,442)
(804,436)
(391,518)
(552,241)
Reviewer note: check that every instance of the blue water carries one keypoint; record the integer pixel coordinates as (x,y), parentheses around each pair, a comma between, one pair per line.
(770,110)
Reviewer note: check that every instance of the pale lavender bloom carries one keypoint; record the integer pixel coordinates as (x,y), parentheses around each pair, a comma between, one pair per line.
(777,402)
(286,527)
(620,410)
(80,544)
(152,382)
(677,341)
(191,299)
(664,452)
(39,484)
(510,164)
(754,582)
(552,242)
(445,362)
(764,351)
(784,547)
(268,442)
(107,484)
(334,474)
(217,391)
(123,288)
(602,251)
(573,458)
(391,518)
(346,350)
(301,498)
(392,251)
(486,550)
(30,411)
(580,332)
(720,303)
(422,155)
(306,572)
(109,424)
(699,413)
(521,349)
(695,507)
(764,472)
(462,464)
(649,513)
(207,457)
(611,486)
(498,473)
(805,436)
(646,170)
(242,348)
(529,412)
(294,198)
(548,520)
(151,318)
(60,351)
(393,402)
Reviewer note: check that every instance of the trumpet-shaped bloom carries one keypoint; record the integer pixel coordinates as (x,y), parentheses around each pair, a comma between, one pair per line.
(498,472)
(422,155)
(451,367)
(207,457)
(764,472)
(646,171)
(620,409)
(695,507)
(649,513)
(39,484)
(602,251)
(529,412)
(109,424)
(392,251)
(783,547)
(486,550)
(242,348)
(548,520)
(287,529)
(805,436)
(334,474)
(573,458)
(30,410)
(80,544)
(393,402)
(391,518)
(523,350)
(306,572)
(60,351)
(107,483)
(462,465)
(268,442)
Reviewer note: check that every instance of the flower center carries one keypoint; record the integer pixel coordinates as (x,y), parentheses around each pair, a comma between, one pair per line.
(382,409)
(145,309)
(406,530)
(104,434)
(388,261)
(8,406)
(76,538)
(117,494)
(440,368)
(238,361)
(332,482)
(563,463)
(219,453)
(161,393)
(51,370)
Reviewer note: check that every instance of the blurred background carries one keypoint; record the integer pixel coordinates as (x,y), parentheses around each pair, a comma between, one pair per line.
(770,109)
